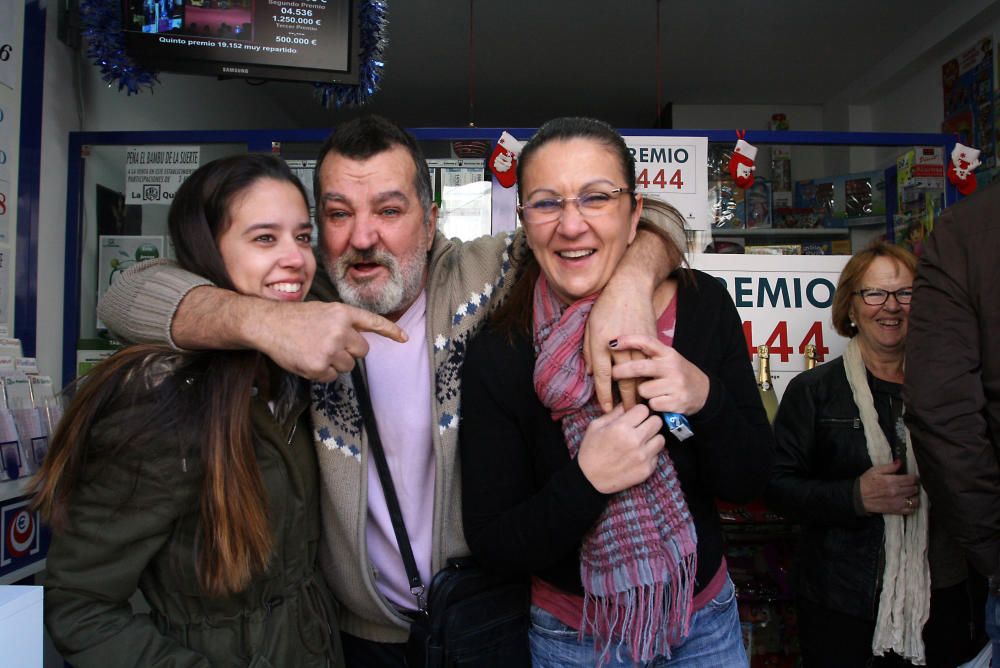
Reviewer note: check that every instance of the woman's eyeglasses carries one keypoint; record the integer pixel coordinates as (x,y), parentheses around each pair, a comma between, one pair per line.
(550,209)
(877,296)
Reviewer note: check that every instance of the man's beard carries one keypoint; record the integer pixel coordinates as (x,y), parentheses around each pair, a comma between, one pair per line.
(397,292)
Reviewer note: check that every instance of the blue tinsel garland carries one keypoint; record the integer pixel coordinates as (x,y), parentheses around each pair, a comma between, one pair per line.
(374,37)
(102,29)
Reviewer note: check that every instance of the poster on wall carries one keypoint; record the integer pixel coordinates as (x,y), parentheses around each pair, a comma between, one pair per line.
(784,302)
(674,169)
(967,84)
(11,49)
(153,173)
(118,253)
(11,22)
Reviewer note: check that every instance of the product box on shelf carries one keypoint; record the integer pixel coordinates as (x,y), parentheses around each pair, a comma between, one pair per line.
(816,196)
(800,218)
(725,199)
(921,167)
(756,207)
(911,230)
(727,245)
(826,247)
(781,168)
(725,204)
(817,248)
(864,195)
(774,249)
(838,199)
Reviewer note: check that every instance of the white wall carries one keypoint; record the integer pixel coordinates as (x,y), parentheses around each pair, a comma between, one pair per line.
(903,93)
(917,103)
(747,116)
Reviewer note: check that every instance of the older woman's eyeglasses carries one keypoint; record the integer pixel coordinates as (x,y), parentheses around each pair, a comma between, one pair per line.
(547,209)
(877,296)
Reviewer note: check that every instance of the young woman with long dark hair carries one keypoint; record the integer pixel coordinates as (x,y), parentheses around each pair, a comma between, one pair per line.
(192,475)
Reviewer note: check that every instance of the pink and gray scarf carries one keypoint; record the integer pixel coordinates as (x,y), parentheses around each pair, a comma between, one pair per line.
(639,560)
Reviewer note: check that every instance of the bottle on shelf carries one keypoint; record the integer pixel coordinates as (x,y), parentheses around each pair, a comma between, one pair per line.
(764,384)
(810,356)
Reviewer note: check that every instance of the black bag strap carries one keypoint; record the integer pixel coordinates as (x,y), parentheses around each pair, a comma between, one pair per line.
(391,500)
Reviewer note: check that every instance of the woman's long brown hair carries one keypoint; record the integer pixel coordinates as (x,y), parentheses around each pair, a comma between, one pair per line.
(235,539)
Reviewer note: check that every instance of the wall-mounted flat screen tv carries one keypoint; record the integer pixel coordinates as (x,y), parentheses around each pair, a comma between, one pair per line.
(299,40)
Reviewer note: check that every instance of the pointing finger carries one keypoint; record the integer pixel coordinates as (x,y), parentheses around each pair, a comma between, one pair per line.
(366,321)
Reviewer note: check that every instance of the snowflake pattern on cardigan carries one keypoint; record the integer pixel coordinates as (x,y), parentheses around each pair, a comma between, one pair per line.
(449,353)
(337,402)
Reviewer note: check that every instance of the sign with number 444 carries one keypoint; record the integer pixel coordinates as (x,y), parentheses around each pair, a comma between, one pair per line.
(674,169)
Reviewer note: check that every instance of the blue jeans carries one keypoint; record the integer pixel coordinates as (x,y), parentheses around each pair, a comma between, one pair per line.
(993,621)
(715,640)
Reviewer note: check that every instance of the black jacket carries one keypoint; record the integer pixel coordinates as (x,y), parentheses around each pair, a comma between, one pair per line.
(821,451)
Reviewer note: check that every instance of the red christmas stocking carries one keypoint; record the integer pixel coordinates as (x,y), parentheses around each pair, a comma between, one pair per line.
(503,162)
(964,160)
(741,165)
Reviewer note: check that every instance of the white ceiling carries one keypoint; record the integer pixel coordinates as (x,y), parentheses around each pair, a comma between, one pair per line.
(536,59)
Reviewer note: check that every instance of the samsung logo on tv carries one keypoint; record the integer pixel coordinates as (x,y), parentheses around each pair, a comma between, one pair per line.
(236,70)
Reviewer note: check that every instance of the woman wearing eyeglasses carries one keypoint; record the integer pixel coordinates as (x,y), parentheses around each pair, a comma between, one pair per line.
(845,470)
(610,514)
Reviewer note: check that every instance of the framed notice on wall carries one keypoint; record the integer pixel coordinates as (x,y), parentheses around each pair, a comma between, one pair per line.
(11,32)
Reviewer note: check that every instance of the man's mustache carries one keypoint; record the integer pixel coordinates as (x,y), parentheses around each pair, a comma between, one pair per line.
(367,256)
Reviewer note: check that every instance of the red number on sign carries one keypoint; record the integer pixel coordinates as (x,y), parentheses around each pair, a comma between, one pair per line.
(815,335)
(780,334)
(642,180)
(3,203)
(675,180)
(748,335)
(660,179)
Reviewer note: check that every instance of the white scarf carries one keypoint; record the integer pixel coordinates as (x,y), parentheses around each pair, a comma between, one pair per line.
(904,605)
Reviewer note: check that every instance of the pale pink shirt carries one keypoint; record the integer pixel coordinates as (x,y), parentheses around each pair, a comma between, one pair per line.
(399,379)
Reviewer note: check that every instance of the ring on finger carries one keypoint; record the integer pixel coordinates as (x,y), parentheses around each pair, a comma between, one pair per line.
(909,502)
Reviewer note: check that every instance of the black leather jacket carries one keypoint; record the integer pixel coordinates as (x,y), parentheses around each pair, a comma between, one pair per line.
(821,452)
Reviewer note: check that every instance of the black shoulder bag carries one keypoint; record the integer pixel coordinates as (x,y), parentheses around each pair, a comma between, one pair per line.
(470,616)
